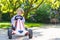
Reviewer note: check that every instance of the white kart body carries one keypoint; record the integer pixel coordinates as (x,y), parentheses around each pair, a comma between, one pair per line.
(20,26)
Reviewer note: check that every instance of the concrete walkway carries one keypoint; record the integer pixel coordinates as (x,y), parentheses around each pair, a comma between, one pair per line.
(49,32)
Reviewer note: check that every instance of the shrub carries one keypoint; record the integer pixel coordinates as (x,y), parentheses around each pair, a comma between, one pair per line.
(42,14)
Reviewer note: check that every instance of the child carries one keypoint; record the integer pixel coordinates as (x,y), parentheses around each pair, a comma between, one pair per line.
(19,11)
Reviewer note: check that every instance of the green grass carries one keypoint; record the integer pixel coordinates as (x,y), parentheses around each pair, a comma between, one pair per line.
(28,25)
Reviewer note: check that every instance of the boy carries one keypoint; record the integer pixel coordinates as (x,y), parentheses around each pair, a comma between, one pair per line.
(19,11)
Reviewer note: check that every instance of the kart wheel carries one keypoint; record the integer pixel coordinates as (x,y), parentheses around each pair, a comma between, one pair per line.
(10,33)
(30,34)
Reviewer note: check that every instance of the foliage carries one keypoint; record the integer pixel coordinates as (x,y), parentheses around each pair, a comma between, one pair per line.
(8,8)
(42,14)
(12,5)
(6,17)
(53,3)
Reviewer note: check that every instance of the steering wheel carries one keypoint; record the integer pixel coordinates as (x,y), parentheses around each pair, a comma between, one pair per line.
(18,17)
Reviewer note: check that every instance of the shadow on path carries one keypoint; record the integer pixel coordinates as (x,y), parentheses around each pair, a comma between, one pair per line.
(55,39)
(37,34)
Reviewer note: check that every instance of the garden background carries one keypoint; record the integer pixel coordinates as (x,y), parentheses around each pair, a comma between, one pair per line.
(37,12)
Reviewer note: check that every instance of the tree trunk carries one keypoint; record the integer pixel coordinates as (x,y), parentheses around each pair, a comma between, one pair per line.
(25,15)
(11,14)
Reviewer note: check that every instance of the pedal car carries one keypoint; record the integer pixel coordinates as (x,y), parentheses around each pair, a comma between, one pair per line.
(19,30)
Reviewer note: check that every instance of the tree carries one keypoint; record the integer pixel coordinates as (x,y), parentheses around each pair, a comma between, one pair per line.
(28,5)
(10,6)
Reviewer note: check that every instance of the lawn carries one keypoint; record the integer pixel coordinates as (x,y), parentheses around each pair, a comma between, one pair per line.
(28,25)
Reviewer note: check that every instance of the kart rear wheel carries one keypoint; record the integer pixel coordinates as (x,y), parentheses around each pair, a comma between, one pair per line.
(30,34)
(9,33)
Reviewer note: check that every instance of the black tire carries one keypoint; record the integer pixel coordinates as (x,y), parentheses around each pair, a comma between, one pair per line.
(30,34)
(9,33)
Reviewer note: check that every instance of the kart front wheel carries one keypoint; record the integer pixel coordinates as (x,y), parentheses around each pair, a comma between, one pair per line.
(10,33)
(30,34)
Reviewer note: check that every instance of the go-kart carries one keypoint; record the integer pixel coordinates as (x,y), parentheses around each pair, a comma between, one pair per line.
(19,30)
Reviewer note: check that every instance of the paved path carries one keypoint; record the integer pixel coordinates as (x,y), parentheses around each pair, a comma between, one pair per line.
(50,32)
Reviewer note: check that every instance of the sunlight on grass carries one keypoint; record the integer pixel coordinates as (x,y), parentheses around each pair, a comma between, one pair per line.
(28,25)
